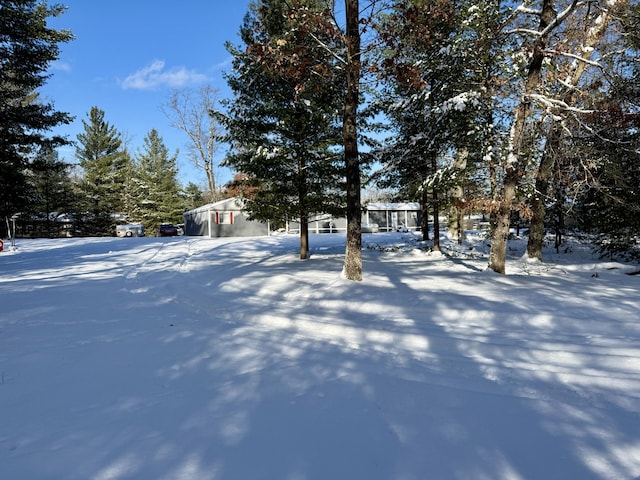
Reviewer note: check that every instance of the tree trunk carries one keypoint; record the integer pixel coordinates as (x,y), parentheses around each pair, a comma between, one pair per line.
(211,181)
(353,255)
(304,237)
(436,222)
(514,168)
(456,212)
(302,203)
(498,253)
(436,208)
(538,209)
(424,215)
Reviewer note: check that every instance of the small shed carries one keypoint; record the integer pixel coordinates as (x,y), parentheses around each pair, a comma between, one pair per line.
(225,218)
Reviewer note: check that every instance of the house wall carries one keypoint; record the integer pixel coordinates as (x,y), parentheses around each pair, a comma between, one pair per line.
(222,219)
(241,226)
(196,223)
(205,221)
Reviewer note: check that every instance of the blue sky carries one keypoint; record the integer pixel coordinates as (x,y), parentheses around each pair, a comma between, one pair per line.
(128,55)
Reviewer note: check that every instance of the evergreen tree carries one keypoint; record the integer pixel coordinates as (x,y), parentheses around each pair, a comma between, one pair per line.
(27,48)
(436,97)
(105,164)
(54,193)
(192,196)
(158,195)
(283,122)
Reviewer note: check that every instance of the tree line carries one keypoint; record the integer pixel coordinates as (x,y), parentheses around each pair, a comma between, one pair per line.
(41,195)
(524,111)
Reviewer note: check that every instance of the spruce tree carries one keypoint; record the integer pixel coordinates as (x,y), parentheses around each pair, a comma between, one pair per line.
(53,193)
(192,196)
(158,194)
(27,48)
(105,164)
(283,121)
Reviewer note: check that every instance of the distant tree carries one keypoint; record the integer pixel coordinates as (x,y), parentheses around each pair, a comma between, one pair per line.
(54,190)
(241,186)
(192,196)
(158,193)
(105,164)
(190,112)
(610,206)
(27,48)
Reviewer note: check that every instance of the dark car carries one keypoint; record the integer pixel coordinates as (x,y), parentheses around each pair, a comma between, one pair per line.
(167,230)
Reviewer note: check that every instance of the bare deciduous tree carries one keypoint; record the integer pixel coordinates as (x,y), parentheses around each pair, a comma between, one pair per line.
(549,20)
(190,112)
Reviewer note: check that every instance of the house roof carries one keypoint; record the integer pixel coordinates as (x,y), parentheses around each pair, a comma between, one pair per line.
(393,206)
(232,203)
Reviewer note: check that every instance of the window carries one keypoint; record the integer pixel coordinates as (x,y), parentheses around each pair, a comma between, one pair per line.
(224,218)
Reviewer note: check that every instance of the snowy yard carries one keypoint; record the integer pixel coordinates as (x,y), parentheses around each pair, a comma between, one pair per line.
(231,359)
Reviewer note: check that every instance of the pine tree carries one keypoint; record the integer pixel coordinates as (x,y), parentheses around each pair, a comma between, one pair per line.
(27,48)
(192,196)
(283,121)
(158,195)
(105,164)
(54,191)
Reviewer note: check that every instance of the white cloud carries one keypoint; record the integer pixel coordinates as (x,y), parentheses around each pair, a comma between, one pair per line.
(60,66)
(155,75)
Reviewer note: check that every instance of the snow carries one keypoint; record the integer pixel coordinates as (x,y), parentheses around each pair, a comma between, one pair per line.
(197,358)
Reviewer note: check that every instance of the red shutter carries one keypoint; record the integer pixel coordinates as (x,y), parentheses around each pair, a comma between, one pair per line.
(230,217)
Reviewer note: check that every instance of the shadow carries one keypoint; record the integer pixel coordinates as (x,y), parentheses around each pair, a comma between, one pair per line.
(235,360)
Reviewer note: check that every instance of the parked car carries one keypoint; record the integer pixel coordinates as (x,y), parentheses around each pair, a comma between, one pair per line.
(130,230)
(167,230)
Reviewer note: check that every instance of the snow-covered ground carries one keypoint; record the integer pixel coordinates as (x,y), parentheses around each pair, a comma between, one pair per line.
(208,359)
